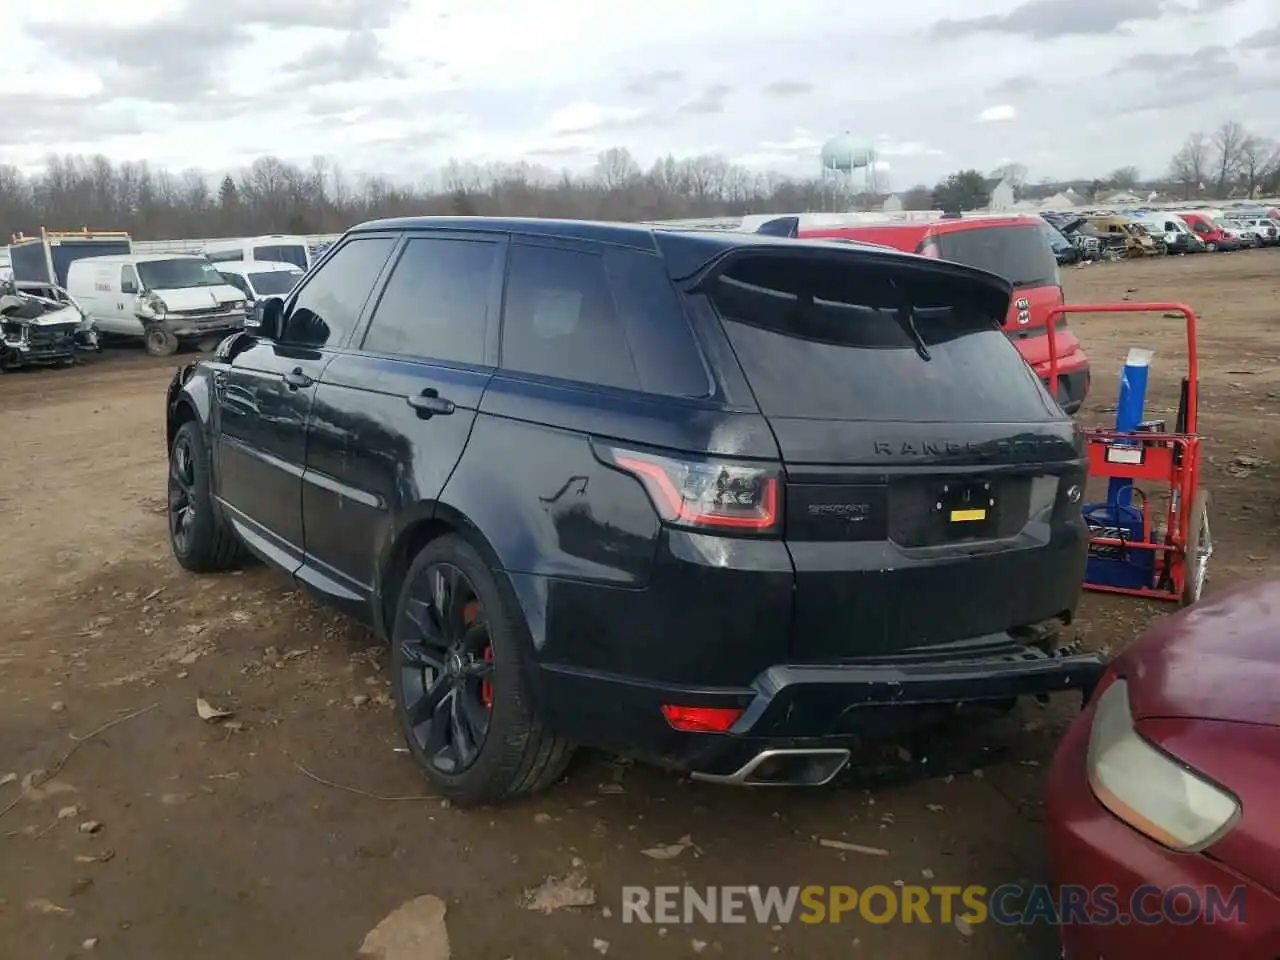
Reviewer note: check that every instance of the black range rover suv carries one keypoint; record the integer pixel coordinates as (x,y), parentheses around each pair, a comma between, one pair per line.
(724,502)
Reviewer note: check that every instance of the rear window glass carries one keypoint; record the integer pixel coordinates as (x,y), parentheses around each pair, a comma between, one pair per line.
(283,253)
(819,339)
(275,282)
(1019,254)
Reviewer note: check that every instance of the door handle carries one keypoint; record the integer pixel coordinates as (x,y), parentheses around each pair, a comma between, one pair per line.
(296,378)
(429,403)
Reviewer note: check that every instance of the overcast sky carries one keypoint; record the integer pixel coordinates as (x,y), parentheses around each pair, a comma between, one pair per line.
(1068,87)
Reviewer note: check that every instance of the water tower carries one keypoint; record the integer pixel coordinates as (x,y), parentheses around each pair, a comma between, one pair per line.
(849,165)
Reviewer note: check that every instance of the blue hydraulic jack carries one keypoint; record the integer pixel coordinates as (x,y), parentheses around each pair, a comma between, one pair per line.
(1137,545)
(1116,518)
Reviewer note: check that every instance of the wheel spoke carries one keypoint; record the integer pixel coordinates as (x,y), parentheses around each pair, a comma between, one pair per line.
(418,653)
(462,731)
(475,639)
(479,669)
(425,623)
(436,746)
(450,593)
(475,713)
(424,709)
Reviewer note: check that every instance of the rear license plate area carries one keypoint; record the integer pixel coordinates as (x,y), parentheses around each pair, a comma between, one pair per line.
(967,509)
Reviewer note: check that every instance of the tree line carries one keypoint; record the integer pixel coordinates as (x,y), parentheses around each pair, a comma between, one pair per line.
(276,196)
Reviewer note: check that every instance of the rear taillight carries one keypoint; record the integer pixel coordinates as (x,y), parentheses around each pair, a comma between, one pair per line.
(701,719)
(706,494)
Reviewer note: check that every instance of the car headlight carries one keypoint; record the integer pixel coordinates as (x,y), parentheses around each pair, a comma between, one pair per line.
(1148,789)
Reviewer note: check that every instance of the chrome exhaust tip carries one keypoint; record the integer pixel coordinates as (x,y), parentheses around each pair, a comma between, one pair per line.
(784,768)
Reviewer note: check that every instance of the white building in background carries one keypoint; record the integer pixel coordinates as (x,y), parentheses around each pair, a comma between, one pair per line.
(893,204)
(1059,201)
(1120,196)
(1002,197)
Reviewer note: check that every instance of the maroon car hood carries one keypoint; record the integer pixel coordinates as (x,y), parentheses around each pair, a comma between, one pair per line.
(1217,660)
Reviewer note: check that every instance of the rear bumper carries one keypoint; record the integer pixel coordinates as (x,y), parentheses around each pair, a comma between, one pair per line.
(1092,850)
(832,708)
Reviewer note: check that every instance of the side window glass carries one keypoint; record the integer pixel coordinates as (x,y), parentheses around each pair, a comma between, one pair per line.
(128,280)
(658,333)
(329,305)
(560,319)
(236,281)
(436,302)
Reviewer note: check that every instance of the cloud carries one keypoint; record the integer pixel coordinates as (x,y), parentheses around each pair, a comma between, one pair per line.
(886,146)
(53,120)
(1000,113)
(331,14)
(1051,19)
(710,100)
(183,83)
(787,88)
(652,83)
(1268,39)
(584,116)
(357,57)
(1015,86)
(1182,77)
(170,60)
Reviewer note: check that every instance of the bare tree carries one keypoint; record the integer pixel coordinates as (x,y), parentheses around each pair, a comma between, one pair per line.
(1190,163)
(1123,178)
(1227,144)
(1259,161)
(616,168)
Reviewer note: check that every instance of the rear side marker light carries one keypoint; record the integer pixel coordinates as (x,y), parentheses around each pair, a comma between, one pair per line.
(706,495)
(701,719)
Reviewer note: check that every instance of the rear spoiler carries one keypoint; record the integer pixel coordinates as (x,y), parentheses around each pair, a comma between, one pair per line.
(780,227)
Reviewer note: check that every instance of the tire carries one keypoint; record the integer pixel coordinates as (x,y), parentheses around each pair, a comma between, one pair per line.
(1210,247)
(442,666)
(1199,549)
(200,537)
(160,342)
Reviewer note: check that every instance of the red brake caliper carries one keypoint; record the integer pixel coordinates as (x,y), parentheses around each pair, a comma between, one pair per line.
(469,615)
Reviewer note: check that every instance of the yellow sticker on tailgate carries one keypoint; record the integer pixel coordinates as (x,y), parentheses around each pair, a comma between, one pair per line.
(961,516)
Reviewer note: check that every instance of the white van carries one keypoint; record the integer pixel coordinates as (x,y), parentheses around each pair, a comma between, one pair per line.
(1177,236)
(259,280)
(164,298)
(277,249)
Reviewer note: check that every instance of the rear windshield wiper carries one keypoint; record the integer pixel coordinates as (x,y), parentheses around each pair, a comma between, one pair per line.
(906,317)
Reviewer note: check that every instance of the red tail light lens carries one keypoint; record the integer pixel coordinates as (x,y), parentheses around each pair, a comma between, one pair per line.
(701,719)
(707,495)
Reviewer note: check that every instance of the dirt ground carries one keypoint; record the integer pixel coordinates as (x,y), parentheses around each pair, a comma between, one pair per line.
(223,840)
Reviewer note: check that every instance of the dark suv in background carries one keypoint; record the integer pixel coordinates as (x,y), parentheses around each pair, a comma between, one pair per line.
(724,502)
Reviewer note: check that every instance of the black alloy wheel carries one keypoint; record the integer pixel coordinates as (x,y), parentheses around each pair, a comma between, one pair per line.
(182,493)
(446,668)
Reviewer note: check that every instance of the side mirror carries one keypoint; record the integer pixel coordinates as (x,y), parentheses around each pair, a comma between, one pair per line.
(128,287)
(267,319)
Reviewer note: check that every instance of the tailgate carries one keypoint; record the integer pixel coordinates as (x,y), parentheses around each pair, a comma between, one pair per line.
(928,476)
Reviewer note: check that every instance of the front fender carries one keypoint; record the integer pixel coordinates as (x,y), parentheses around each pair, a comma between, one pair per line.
(188,397)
